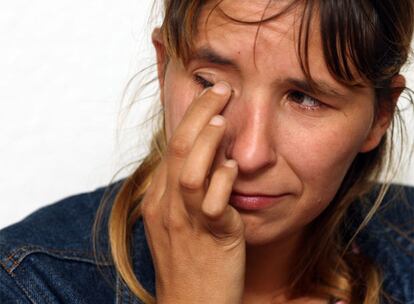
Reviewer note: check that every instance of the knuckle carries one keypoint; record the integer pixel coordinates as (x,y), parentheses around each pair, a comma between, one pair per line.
(179,146)
(190,182)
(211,93)
(210,133)
(209,101)
(204,106)
(212,214)
(228,241)
(173,223)
(222,176)
(149,212)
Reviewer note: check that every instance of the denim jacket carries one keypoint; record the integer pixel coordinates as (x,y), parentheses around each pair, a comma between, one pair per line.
(49,258)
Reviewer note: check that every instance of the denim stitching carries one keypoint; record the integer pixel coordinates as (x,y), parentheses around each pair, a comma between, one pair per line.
(6,268)
(21,287)
(18,255)
(38,291)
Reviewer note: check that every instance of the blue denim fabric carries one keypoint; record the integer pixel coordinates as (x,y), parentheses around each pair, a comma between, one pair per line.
(48,257)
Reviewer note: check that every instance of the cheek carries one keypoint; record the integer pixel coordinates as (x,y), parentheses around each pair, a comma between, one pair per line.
(179,93)
(326,154)
(323,155)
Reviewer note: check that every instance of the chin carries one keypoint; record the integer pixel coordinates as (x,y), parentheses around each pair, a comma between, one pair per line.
(257,232)
(261,232)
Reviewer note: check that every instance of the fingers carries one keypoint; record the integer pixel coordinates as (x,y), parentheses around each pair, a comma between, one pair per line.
(193,176)
(203,108)
(222,219)
(190,154)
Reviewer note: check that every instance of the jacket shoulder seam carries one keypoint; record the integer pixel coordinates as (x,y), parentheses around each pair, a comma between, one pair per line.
(13,259)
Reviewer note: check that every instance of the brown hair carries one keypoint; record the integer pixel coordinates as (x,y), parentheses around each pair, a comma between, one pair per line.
(370,37)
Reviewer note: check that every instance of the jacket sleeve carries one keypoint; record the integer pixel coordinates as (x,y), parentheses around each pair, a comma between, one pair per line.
(10,292)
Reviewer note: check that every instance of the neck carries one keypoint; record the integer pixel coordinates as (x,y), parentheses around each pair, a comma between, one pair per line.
(269,267)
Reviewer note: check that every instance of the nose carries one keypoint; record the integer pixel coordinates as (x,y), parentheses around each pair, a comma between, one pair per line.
(252,138)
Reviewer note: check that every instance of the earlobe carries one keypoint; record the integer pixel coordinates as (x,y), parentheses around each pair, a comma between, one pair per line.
(159,46)
(384,116)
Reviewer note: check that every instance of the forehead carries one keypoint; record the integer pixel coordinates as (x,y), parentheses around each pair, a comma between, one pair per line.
(266,53)
(253,10)
(232,28)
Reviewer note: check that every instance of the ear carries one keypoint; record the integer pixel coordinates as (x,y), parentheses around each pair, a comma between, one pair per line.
(384,116)
(162,61)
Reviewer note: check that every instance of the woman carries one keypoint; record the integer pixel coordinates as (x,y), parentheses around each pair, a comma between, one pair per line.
(274,126)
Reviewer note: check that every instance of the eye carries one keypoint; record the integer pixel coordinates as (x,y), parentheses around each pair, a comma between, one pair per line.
(201,81)
(304,101)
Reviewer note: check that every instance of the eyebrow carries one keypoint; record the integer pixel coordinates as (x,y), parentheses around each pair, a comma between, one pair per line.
(207,54)
(319,87)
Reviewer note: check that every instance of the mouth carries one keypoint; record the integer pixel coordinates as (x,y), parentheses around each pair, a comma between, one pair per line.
(254,201)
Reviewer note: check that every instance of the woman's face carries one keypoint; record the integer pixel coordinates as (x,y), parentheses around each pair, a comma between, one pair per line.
(285,138)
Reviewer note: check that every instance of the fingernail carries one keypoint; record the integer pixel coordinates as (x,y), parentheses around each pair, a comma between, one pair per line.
(221,88)
(231,163)
(217,120)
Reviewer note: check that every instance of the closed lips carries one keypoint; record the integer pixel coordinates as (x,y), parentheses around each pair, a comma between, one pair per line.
(254,201)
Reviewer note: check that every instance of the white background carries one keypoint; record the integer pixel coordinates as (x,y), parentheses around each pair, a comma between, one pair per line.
(63,68)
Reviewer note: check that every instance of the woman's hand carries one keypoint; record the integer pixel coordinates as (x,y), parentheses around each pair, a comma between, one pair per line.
(196,239)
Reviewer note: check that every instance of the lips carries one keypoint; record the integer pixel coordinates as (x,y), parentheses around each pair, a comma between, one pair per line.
(254,201)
